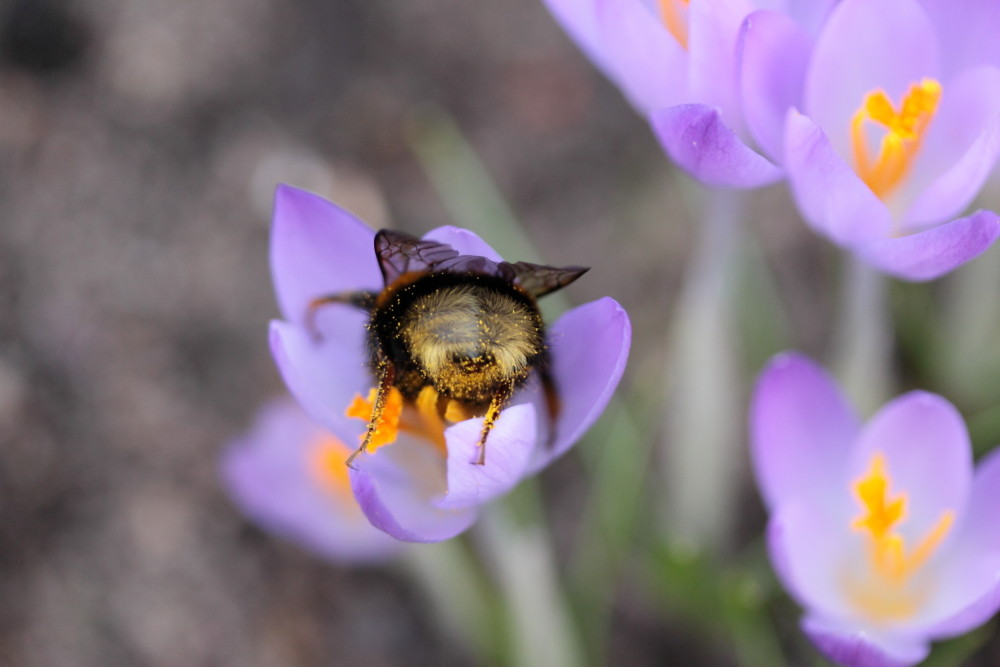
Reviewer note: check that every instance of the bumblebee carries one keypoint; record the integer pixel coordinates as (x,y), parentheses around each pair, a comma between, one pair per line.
(465,325)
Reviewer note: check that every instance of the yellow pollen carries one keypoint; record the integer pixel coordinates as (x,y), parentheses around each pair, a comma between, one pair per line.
(904,132)
(887,591)
(674,15)
(421,417)
(326,456)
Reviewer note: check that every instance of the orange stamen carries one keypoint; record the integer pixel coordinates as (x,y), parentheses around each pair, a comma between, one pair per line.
(456,412)
(887,592)
(674,15)
(904,132)
(431,425)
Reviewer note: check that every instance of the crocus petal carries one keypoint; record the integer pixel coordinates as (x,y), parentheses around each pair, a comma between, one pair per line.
(267,473)
(810,15)
(972,587)
(589,348)
(967,30)
(317,248)
(831,197)
(773,53)
(927,454)
(801,431)
(697,139)
(324,375)
(508,449)
(936,251)
(972,616)
(965,134)
(865,46)
(463,241)
(714,29)
(398,488)
(807,551)
(630,45)
(646,62)
(981,530)
(858,648)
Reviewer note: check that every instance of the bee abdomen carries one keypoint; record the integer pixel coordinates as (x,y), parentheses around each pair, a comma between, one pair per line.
(467,339)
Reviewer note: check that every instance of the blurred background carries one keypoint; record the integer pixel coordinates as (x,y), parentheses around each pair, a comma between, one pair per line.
(140,144)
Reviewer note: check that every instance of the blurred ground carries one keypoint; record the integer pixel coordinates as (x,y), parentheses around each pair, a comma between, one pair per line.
(140,142)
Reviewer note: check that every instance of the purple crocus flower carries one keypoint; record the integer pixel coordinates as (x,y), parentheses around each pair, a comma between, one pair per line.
(424,486)
(288,474)
(881,531)
(678,62)
(898,128)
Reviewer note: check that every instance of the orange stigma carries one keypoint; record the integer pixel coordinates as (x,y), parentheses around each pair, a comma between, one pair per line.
(674,14)
(887,591)
(421,417)
(388,424)
(904,132)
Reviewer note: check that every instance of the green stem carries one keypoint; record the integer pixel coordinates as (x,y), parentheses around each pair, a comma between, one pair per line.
(703,428)
(462,601)
(540,631)
(863,338)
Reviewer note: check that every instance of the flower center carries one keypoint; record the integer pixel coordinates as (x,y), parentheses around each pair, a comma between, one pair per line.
(904,131)
(421,418)
(674,14)
(326,455)
(887,590)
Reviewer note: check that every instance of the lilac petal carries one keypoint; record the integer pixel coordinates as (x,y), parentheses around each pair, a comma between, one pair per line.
(865,46)
(975,587)
(855,647)
(831,197)
(972,584)
(967,30)
(696,138)
(324,376)
(801,432)
(714,29)
(508,449)
(267,473)
(464,241)
(645,60)
(773,52)
(807,548)
(981,530)
(932,253)
(964,138)
(589,348)
(399,487)
(317,248)
(810,15)
(927,454)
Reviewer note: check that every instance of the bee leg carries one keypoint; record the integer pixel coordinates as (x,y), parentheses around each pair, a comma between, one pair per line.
(362,300)
(552,404)
(386,375)
(497,404)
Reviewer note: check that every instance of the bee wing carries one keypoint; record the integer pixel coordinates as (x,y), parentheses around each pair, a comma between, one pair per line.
(400,253)
(539,280)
